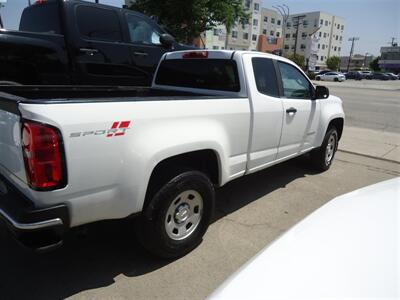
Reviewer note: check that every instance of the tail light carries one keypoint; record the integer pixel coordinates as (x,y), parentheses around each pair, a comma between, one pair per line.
(43,153)
(195,54)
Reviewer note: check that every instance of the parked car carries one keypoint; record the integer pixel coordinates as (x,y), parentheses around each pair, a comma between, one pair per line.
(365,73)
(392,76)
(323,72)
(82,43)
(379,76)
(340,251)
(331,76)
(75,155)
(354,75)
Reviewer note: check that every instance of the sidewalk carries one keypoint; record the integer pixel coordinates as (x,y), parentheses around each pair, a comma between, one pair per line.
(368,142)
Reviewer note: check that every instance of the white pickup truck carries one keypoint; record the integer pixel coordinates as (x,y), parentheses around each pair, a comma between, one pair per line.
(75,155)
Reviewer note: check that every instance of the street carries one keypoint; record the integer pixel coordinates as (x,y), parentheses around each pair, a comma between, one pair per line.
(106,262)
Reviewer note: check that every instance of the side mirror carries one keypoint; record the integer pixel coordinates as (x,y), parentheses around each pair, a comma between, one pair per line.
(167,40)
(321,92)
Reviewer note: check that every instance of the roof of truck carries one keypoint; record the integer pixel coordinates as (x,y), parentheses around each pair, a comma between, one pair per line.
(215,54)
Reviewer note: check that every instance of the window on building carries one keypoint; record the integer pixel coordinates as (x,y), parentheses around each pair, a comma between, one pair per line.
(216,32)
(340,38)
(279,22)
(265,19)
(294,35)
(273,20)
(324,34)
(326,23)
(254,37)
(334,49)
(305,23)
(337,37)
(245,36)
(256,6)
(292,47)
(215,47)
(247,4)
(323,46)
(265,76)
(315,22)
(317,57)
(288,25)
(302,46)
(339,49)
(234,34)
(338,26)
(286,47)
(320,34)
(271,33)
(255,22)
(321,22)
(278,34)
(342,27)
(265,31)
(322,58)
(319,46)
(287,35)
(295,84)
(222,48)
(304,35)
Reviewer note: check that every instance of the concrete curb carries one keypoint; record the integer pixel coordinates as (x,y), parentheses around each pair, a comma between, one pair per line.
(370,156)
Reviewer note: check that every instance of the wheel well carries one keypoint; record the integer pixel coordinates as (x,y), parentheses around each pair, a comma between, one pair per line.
(338,124)
(205,161)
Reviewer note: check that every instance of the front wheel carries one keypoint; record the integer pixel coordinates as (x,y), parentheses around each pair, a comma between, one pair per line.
(181,212)
(318,78)
(323,156)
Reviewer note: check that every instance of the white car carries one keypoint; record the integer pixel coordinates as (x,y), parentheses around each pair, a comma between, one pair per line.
(72,156)
(347,249)
(331,76)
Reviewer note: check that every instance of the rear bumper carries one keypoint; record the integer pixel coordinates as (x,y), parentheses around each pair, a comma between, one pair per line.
(39,229)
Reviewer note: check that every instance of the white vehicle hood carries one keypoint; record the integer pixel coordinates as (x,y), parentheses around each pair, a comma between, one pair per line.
(348,248)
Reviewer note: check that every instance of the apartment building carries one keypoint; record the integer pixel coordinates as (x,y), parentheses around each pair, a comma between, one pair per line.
(263,21)
(320,35)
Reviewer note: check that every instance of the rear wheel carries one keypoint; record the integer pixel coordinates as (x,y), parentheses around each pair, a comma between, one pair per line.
(336,79)
(318,78)
(181,212)
(322,157)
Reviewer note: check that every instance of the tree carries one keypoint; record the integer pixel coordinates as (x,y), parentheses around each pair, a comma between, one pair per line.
(374,64)
(297,58)
(186,20)
(333,63)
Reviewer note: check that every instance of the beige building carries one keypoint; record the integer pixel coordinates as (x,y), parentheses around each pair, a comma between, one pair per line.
(320,36)
(271,23)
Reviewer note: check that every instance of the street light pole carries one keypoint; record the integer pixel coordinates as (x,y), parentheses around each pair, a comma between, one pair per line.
(298,18)
(353,39)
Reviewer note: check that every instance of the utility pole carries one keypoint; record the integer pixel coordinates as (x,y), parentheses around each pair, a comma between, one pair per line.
(297,25)
(353,39)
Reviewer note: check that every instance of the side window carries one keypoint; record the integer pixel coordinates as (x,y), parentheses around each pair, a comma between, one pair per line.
(265,75)
(98,23)
(295,85)
(141,31)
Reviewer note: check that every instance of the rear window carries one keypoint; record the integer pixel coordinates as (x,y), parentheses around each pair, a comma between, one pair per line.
(210,74)
(98,23)
(41,18)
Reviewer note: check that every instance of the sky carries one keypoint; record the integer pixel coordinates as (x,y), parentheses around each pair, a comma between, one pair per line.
(375,22)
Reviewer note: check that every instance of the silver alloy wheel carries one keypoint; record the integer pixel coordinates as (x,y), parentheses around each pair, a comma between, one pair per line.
(330,149)
(184,215)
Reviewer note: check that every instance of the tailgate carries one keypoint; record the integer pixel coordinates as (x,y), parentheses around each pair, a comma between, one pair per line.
(11,159)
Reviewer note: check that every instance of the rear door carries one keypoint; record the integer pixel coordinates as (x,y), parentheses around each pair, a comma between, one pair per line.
(101,56)
(301,113)
(267,111)
(145,49)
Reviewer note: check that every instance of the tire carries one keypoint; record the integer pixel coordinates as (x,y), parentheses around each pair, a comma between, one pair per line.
(318,78)
(335,79)
(322,157)
(181,212)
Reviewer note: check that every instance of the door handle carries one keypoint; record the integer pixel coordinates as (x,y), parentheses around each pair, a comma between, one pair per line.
(89,51)
(291,110)
(140,54)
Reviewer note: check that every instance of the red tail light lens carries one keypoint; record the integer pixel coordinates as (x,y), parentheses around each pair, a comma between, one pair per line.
(43,156)
(195,54)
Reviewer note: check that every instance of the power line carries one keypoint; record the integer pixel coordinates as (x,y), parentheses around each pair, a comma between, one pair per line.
(353,39)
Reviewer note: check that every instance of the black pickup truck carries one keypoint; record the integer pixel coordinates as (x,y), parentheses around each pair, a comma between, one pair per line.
(64,42)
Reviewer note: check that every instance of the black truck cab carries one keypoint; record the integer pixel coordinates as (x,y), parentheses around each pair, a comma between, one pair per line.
(82,43)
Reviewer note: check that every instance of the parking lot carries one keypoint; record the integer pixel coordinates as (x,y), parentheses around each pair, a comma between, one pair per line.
(106,262)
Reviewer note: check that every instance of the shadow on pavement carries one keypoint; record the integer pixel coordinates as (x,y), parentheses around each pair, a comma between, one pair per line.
(110,248)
